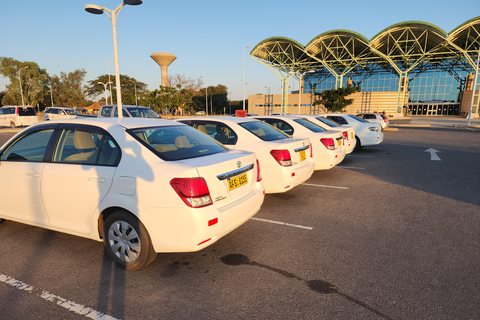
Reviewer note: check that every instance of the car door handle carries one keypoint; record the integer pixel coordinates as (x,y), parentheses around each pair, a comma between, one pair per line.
(97,179)
(32,174)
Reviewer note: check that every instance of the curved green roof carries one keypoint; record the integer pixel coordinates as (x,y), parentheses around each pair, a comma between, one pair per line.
(402,46)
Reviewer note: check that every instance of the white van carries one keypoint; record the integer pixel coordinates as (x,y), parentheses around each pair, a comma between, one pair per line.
(17,116)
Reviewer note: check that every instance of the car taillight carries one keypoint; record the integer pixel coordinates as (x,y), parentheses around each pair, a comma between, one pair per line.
(282,157)
(345,135)
(311,151)
(259,176)
(329,143)
(193,191)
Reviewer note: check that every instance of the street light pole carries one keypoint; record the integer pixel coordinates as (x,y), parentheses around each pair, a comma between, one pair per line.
(105,89)
(20,78)
(474,86)
(301,88)
(206,96)
(110,81)
(244,76)
(113,15)
(135,84)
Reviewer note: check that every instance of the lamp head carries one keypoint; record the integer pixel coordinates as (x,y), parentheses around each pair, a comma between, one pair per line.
(93,8)
(133,2)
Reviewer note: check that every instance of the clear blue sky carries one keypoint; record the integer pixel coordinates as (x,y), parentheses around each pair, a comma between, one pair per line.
(208,37)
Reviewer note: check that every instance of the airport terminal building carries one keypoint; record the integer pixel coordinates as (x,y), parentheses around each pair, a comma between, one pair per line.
(411,68)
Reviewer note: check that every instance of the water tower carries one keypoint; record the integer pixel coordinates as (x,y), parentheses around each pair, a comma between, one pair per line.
(164,60)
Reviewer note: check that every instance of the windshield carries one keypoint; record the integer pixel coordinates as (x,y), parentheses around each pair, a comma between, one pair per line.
(358,119)
(309,125)
(264,131)
(328,122)
(177,142)
(142,113)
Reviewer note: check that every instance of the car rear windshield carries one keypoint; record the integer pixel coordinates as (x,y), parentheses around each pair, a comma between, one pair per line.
(264,131)
(26,112)
(357,118)
(329,122)
(309,125)
(177,142)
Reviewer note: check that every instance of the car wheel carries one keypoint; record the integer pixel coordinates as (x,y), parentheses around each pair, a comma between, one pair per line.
(127,242)
(12,125)
(358,145)
(2,220)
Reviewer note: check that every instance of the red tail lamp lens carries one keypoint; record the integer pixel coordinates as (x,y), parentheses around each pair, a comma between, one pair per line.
(345,135)
(329,143)
(311,151)
(282,157)
(259,176)
(193,191)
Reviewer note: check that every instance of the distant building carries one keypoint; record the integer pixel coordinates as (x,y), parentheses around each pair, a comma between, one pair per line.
(410,68)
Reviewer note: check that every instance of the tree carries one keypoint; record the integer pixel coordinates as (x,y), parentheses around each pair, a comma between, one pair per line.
(334,100)
(33,81)
(129,86)
(68,89)
(217,99)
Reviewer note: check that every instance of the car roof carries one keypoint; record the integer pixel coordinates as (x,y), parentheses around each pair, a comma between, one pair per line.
(126,106)
(105,123)
(222,119)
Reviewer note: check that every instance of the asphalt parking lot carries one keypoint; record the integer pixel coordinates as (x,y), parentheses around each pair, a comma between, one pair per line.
(391,233)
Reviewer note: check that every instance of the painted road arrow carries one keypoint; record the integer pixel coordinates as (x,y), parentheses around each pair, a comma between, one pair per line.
(433,154)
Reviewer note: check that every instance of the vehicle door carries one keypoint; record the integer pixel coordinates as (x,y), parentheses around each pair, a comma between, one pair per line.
(21,170)
(79,176)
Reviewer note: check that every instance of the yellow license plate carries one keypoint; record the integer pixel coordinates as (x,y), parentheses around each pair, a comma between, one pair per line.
(351,133)
(302,155)
(339,142)
(237,182)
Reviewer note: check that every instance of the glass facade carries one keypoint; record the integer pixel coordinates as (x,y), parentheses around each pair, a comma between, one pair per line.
(433,85)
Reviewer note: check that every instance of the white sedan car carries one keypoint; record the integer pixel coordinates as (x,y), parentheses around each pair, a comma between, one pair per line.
(366,133)
(348,132)
(285,162)
(375,117)
(58,113)
(327,146)
(141,186)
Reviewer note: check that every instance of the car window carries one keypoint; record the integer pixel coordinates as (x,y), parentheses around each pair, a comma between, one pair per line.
(218,131)
(142,113)
(309,125)
(357,118)
(264,131)
(30,147)
(338,119)
(9,110)
(176,142)
(279,124)
(328,122)
(52,111)
(69,111)
(124,113)
(23,112)
(78,146)
(106,111)
(368,116)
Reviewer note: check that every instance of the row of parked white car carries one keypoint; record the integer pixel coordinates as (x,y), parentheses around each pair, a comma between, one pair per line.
(144,186)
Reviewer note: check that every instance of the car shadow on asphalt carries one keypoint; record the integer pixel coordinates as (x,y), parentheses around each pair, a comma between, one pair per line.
(318,286)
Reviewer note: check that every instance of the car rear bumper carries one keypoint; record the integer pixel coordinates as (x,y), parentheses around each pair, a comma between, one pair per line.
(186,229)
(279,179)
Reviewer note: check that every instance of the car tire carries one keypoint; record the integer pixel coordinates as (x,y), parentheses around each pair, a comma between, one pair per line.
(12,125)
(358,145)
(2,220)
(127,242)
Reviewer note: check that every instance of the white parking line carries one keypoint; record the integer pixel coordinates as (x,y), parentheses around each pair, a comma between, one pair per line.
(59,301)
(282,223)
(323,186)
(359,156)
(343,167)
